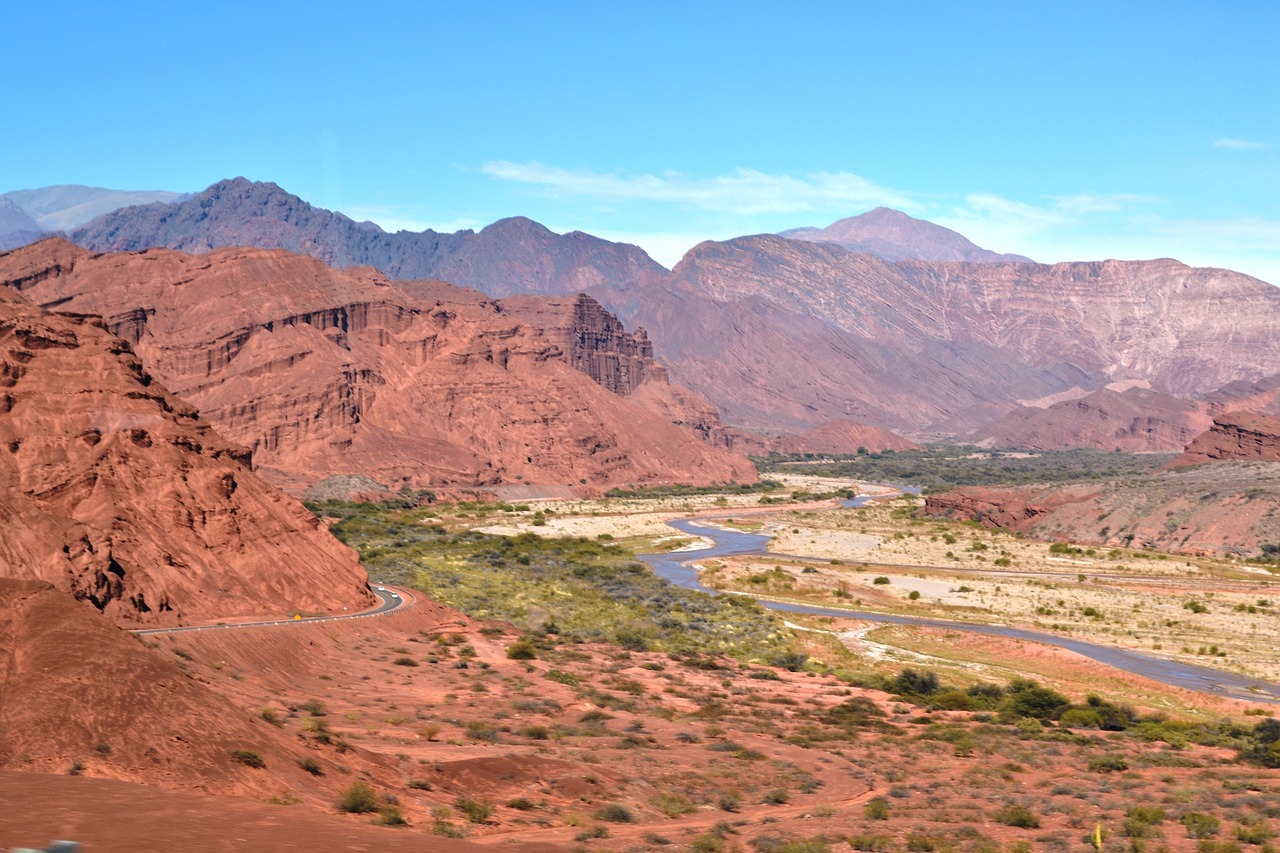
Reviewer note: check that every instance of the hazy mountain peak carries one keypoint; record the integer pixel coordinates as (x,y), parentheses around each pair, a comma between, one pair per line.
(64,206)
(897,236)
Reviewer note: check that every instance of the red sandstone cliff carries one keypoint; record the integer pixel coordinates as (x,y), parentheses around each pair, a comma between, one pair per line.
(1235,436)
(117,492)
(324,372)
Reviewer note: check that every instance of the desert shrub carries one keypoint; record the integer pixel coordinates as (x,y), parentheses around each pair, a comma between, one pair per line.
(913,682)
(673,805)
(248,758)
(777,797)
(405,661)
(876,808)
(952,700)
(857,712)
(1139,820)
(482,731)
(881,581)
(359,798)
(1080,718)
(871,843)
(1108,764)
(522,804)
(1255,833)
(1028,699)
(1263,744)
(1016,814)
(390,815)
(269,714)
(476,811)
(1200,825)
(311,766)
(522,649)
(616,813)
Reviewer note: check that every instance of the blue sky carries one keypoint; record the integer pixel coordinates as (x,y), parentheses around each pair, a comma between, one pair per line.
(1060,131)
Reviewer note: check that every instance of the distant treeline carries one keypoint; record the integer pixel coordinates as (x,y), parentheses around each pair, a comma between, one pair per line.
(942,467)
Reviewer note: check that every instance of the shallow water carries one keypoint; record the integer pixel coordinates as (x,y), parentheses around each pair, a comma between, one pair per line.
(674,567)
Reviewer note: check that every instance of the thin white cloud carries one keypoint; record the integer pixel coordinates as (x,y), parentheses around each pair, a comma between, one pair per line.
(745,191)
(1091,227)
(1238,144)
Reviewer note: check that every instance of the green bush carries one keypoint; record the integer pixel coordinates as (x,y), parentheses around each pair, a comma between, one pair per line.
(1016,814)
(876,808)
(359,798)
(1108,764)
(616,813)
(1200,825)
(476,811)
(390,815)
(248,758)
(522,649)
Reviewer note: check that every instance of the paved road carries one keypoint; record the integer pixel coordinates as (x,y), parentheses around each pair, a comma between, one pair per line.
(392,599)
(675,567)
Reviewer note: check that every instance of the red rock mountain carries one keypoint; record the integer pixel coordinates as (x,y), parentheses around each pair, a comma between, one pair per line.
(510,256)
(780,330)
(324,372)
(783,334)
(1136,420)
(1235,436)
(895,236)
(116,491)
(844,437)
(1227,508)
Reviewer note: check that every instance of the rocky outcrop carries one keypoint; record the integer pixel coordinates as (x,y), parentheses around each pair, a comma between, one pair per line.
(1231,508)
(511,256)
(895,236)
(1137,420)
(118,493)
(322,372)
(1235,436)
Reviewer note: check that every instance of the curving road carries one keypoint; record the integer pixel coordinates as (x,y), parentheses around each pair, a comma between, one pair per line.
(674,566)
(392,598)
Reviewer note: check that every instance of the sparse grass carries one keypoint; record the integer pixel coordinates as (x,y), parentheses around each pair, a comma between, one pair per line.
(359,798)
(248,758)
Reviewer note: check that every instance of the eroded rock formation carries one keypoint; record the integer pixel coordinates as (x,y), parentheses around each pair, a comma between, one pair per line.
(117,492)
(1235,436)
(322,372)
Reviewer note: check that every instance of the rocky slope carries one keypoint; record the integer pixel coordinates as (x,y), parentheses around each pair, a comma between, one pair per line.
(324,372)
(944,347)
(77,692)
(1229,508)
(1136,420)
(510,256)
(844,437)
(118,493)
(895,236)
(1235,436)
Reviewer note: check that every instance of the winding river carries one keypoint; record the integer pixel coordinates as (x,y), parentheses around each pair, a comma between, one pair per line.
(675,567)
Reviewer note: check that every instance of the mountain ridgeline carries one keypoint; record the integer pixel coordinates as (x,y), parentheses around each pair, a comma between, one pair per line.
(327,373)
(880,319)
